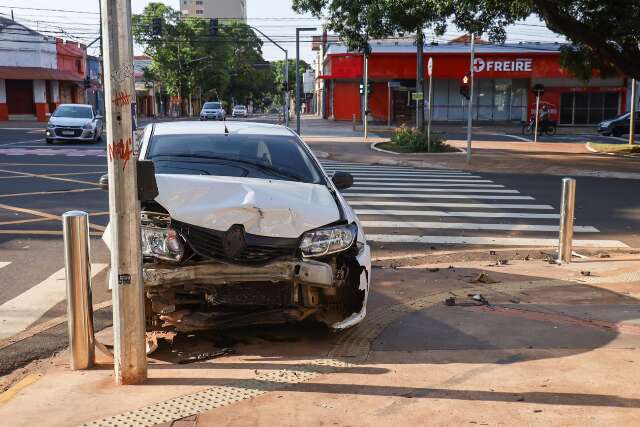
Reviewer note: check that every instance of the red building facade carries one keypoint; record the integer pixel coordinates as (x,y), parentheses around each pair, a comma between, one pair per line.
(504,76)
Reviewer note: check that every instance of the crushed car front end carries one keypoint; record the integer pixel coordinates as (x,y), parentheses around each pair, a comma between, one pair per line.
(200,279)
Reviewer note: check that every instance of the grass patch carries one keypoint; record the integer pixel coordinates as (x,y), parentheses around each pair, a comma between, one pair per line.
(411,140)
(614,148)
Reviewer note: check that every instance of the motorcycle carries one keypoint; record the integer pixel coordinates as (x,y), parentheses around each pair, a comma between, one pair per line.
(549,128)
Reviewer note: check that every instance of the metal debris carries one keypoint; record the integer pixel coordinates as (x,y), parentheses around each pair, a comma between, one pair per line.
(200,357)
(585,273)
(475,300)
(604,255)
(484,278)
(502,262)
(492,252)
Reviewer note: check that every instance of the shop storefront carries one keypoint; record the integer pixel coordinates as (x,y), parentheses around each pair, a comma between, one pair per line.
(504,76)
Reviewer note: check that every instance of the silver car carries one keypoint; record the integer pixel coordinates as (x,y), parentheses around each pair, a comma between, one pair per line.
(75,122)
(212,111)
(239,111)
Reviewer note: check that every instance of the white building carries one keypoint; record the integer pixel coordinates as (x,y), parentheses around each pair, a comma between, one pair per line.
(221,9)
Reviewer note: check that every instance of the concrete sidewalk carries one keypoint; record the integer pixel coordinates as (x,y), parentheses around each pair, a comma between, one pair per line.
(503,156)
(556,345)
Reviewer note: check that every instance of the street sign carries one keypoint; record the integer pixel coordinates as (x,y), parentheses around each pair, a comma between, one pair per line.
(538,89)
(430,66)
(417,96)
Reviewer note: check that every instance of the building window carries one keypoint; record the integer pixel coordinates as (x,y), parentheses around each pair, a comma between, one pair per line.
(199,2)
(581,108)
(78,65)
(199,12)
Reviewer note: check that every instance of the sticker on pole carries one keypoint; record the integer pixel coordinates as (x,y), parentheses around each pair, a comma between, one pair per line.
(417,96)
(430,66)
(124,279)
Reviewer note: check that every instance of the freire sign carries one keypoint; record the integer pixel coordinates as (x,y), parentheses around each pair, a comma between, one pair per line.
(503,65)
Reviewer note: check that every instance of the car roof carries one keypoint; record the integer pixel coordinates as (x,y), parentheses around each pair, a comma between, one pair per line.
(199,128)
(76,105)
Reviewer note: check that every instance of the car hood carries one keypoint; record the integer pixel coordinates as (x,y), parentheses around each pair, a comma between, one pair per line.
(68,121)
(264,207)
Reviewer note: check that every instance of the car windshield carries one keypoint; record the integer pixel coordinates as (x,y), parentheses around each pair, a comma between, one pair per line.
(73,111)
(239,107)
(211,105)
(252,156)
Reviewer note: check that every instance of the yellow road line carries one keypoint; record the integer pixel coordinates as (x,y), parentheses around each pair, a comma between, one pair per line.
(14,389)
(52,174)
(41,193)
(43,215)
(44,232)
(99,213)
(44,176)
(23,221)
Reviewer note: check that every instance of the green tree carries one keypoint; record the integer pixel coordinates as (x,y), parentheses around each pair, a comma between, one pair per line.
(605,33)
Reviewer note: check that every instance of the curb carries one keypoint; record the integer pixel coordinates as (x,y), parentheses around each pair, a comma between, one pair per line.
(374,148)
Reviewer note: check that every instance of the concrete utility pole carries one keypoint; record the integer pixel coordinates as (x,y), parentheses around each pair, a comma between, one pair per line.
(632,111)
(420,79)
(298,30)
(366,96)
(124,209)
(470,118)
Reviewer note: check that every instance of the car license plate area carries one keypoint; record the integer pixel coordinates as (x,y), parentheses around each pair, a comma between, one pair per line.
(68,132)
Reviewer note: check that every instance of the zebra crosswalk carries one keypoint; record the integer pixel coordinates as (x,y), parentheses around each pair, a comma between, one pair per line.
(407,205)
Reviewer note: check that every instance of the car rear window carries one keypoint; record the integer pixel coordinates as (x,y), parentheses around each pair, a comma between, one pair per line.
(253,156)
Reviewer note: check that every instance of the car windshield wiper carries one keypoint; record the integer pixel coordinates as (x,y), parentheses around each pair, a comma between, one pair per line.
(262,166)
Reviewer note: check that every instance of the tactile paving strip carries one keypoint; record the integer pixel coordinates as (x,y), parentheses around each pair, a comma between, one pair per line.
(219,396)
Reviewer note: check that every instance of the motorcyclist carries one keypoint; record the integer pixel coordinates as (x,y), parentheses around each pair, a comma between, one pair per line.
(544,119)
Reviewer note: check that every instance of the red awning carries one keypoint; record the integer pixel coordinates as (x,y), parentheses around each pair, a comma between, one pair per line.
(33,73)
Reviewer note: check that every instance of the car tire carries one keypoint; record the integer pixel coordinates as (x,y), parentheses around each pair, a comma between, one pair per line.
(617,132)
(49,140)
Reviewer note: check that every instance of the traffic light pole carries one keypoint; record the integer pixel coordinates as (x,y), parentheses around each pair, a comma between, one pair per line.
(298,30)
(366,96)
(632,115)
(125,277)
(535,135)
(470,118)
(420,79)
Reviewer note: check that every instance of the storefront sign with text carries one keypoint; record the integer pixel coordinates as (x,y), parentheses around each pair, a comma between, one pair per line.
(503,65)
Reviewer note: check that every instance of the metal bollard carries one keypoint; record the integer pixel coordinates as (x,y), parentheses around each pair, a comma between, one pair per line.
(567,213)
(75,225)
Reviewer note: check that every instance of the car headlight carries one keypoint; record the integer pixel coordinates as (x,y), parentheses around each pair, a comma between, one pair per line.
(88,126)
(605,124)
(159,240)
(329,240)
(50,126)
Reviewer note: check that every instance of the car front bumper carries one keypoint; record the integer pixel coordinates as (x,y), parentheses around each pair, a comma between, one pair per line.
(74,135)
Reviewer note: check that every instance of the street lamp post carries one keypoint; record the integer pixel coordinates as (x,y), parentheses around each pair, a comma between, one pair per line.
(298,31)
(286,75)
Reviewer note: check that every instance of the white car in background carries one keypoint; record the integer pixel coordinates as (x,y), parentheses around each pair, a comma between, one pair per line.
(246,228)
(239,111)
(74,122)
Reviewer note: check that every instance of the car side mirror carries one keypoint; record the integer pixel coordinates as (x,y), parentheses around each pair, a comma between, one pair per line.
(99,117)
(342,180)
(147,185)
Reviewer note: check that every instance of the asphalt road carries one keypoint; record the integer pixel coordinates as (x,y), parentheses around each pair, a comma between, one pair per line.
(39,182)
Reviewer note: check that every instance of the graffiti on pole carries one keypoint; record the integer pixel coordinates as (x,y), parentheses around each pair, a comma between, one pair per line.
(122,150)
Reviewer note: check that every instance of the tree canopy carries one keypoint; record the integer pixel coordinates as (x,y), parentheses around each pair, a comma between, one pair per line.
(605,33)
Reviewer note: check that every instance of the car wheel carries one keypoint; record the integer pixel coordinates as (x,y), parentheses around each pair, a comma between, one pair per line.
(49,141)
(617,132)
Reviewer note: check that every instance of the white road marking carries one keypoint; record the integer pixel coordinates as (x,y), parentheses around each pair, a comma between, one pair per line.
(22,142)
(472,226)
(405,184)
(417,171)
(20,312)
(497,241)
(466,214)
(381,167)
(358,178)
(410,174)
(449,205)
(438,196)
(432,190)
(519,138)
(4,264)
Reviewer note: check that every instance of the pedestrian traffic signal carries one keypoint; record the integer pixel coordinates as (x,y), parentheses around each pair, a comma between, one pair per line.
(361,88)
(213,27)
(156,26)
(464,87)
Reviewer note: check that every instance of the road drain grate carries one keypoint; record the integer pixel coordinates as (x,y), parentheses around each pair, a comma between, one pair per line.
(215,397)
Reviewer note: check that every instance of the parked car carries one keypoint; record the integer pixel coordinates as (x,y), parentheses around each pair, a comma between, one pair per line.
(619,125)
(77,122)
(212,111)
(239,111)
(246,228)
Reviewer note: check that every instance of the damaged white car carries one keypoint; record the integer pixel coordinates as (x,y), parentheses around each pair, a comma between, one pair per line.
(247,229)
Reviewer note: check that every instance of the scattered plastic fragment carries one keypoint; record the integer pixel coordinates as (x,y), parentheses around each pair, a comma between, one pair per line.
(206,356)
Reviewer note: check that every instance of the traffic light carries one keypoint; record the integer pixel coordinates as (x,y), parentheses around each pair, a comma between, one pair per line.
(464,86)
(361,88)
(213,27)
(156,26)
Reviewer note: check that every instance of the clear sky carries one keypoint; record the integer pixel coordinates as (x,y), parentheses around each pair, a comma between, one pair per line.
(274,17)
